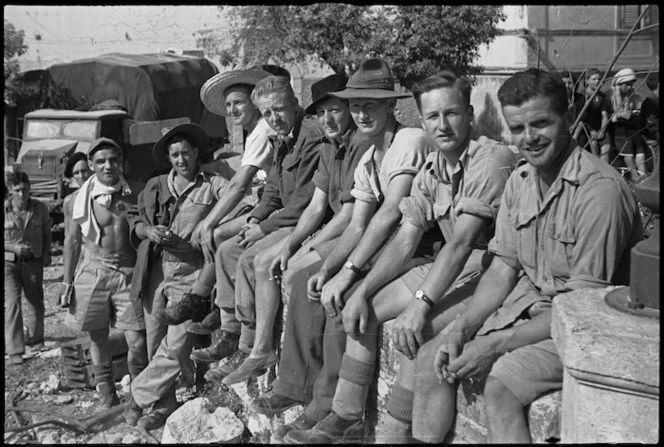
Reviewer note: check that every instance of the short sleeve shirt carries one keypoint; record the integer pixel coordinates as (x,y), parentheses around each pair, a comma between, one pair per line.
(482,171)
(258,151)
(336,168)
(406,155)
(579,235)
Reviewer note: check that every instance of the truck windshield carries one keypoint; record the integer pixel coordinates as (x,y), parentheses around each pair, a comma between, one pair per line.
(77,130)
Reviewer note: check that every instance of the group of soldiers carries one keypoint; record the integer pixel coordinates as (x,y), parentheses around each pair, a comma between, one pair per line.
(460,240)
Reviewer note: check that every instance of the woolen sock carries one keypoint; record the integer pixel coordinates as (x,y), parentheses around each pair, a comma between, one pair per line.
(350,397)
(400,405)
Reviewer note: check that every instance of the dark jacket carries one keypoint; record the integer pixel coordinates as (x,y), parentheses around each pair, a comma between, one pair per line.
(289,187)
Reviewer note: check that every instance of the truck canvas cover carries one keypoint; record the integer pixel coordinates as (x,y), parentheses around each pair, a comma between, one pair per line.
(151,87)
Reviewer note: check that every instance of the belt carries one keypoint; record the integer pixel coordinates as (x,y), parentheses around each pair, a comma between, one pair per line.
(22,259)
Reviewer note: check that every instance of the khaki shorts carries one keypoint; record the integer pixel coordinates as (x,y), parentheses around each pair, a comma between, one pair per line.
(101,296)
(530,371)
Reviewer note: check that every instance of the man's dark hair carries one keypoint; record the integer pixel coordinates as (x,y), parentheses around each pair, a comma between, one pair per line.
(526,85)
(442,79)
(593,71)
(179,137)
(652,81)
(18,177)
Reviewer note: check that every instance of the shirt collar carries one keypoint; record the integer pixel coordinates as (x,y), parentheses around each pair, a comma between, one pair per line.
(531,205)
(438,166)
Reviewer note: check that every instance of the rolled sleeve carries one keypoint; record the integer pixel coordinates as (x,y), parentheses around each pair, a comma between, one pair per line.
(485,181)
(362,180)
(408,152)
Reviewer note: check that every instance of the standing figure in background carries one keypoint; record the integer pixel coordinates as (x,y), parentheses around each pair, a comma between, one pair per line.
(625,123)
(27,252)
(650,116)
(593,126)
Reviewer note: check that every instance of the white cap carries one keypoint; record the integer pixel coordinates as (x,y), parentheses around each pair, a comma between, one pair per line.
(624,75)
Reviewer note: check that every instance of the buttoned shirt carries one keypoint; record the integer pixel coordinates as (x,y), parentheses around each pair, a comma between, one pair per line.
(578,235)
(336,168)
(405,155)
(33,230)
(289,187)
(157,205)
(481,173)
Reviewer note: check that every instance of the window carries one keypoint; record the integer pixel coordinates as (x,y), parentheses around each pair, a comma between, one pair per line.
(628,14)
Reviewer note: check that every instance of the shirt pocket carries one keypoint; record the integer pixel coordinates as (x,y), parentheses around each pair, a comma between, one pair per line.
(291,162)
(561,239)
(199,205)
(525,239)
(442,205)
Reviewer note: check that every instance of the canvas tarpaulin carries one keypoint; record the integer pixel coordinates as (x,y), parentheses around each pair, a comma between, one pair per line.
(150,86)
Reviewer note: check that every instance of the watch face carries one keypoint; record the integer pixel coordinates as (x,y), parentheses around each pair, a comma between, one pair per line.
(419,293)
(349,265)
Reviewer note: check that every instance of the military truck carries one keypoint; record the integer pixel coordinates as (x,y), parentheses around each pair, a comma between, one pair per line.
(128,98)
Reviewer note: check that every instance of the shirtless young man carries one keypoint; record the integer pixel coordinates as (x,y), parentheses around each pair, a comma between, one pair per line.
(99,287)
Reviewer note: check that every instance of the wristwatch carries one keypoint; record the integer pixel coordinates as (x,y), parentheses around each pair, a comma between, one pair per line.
(420,295)
(350,266)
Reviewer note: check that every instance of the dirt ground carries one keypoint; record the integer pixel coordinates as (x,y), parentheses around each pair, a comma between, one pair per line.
(33,387)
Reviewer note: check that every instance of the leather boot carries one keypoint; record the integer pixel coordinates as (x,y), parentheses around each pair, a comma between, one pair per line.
(210,323)
(189,307)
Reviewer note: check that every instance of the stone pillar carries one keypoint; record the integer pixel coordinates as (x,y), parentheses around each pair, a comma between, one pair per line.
(611,370)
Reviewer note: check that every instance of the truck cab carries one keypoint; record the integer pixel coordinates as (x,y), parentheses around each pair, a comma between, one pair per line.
(50,136)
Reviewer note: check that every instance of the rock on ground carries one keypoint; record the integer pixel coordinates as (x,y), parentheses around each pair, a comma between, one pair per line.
(193,423)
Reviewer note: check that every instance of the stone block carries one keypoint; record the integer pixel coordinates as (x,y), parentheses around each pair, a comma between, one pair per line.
(194,423)
(611,370)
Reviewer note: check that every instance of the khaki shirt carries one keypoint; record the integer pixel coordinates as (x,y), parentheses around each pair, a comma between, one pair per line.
(579,235)
(483,170)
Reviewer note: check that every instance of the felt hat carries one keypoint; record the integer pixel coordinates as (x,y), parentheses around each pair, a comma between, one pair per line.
(71,162)
(196,132)
(320,90)
(373,80)
(212,92)
(624,75)
(100,143)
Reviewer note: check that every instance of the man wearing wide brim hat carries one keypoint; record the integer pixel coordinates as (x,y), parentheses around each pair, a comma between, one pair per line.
(213,91)
(200,139)
(320,90)
(229,94)
(160,227)
(373,80)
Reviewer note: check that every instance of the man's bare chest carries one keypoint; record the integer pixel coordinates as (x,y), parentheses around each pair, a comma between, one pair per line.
(113,216)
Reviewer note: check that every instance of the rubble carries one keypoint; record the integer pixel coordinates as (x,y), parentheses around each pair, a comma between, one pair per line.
(193,423)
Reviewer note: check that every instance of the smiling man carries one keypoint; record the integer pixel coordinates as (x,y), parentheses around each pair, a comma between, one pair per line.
(566,221)
(99,285)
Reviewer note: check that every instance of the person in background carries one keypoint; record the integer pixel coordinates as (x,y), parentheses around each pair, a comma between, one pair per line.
(650,116)
(27,252)
(78,171)
(566,222)
(97,288)
(625,122)
(592,131)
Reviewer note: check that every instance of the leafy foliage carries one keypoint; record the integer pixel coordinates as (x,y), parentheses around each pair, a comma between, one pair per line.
(417,40)
(14,47)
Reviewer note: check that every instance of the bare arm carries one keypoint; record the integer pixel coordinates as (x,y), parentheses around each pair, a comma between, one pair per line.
(362,215)
(335,227)
(72,243)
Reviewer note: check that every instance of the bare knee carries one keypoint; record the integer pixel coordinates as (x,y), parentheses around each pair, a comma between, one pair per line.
(499,399)
(262,263)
